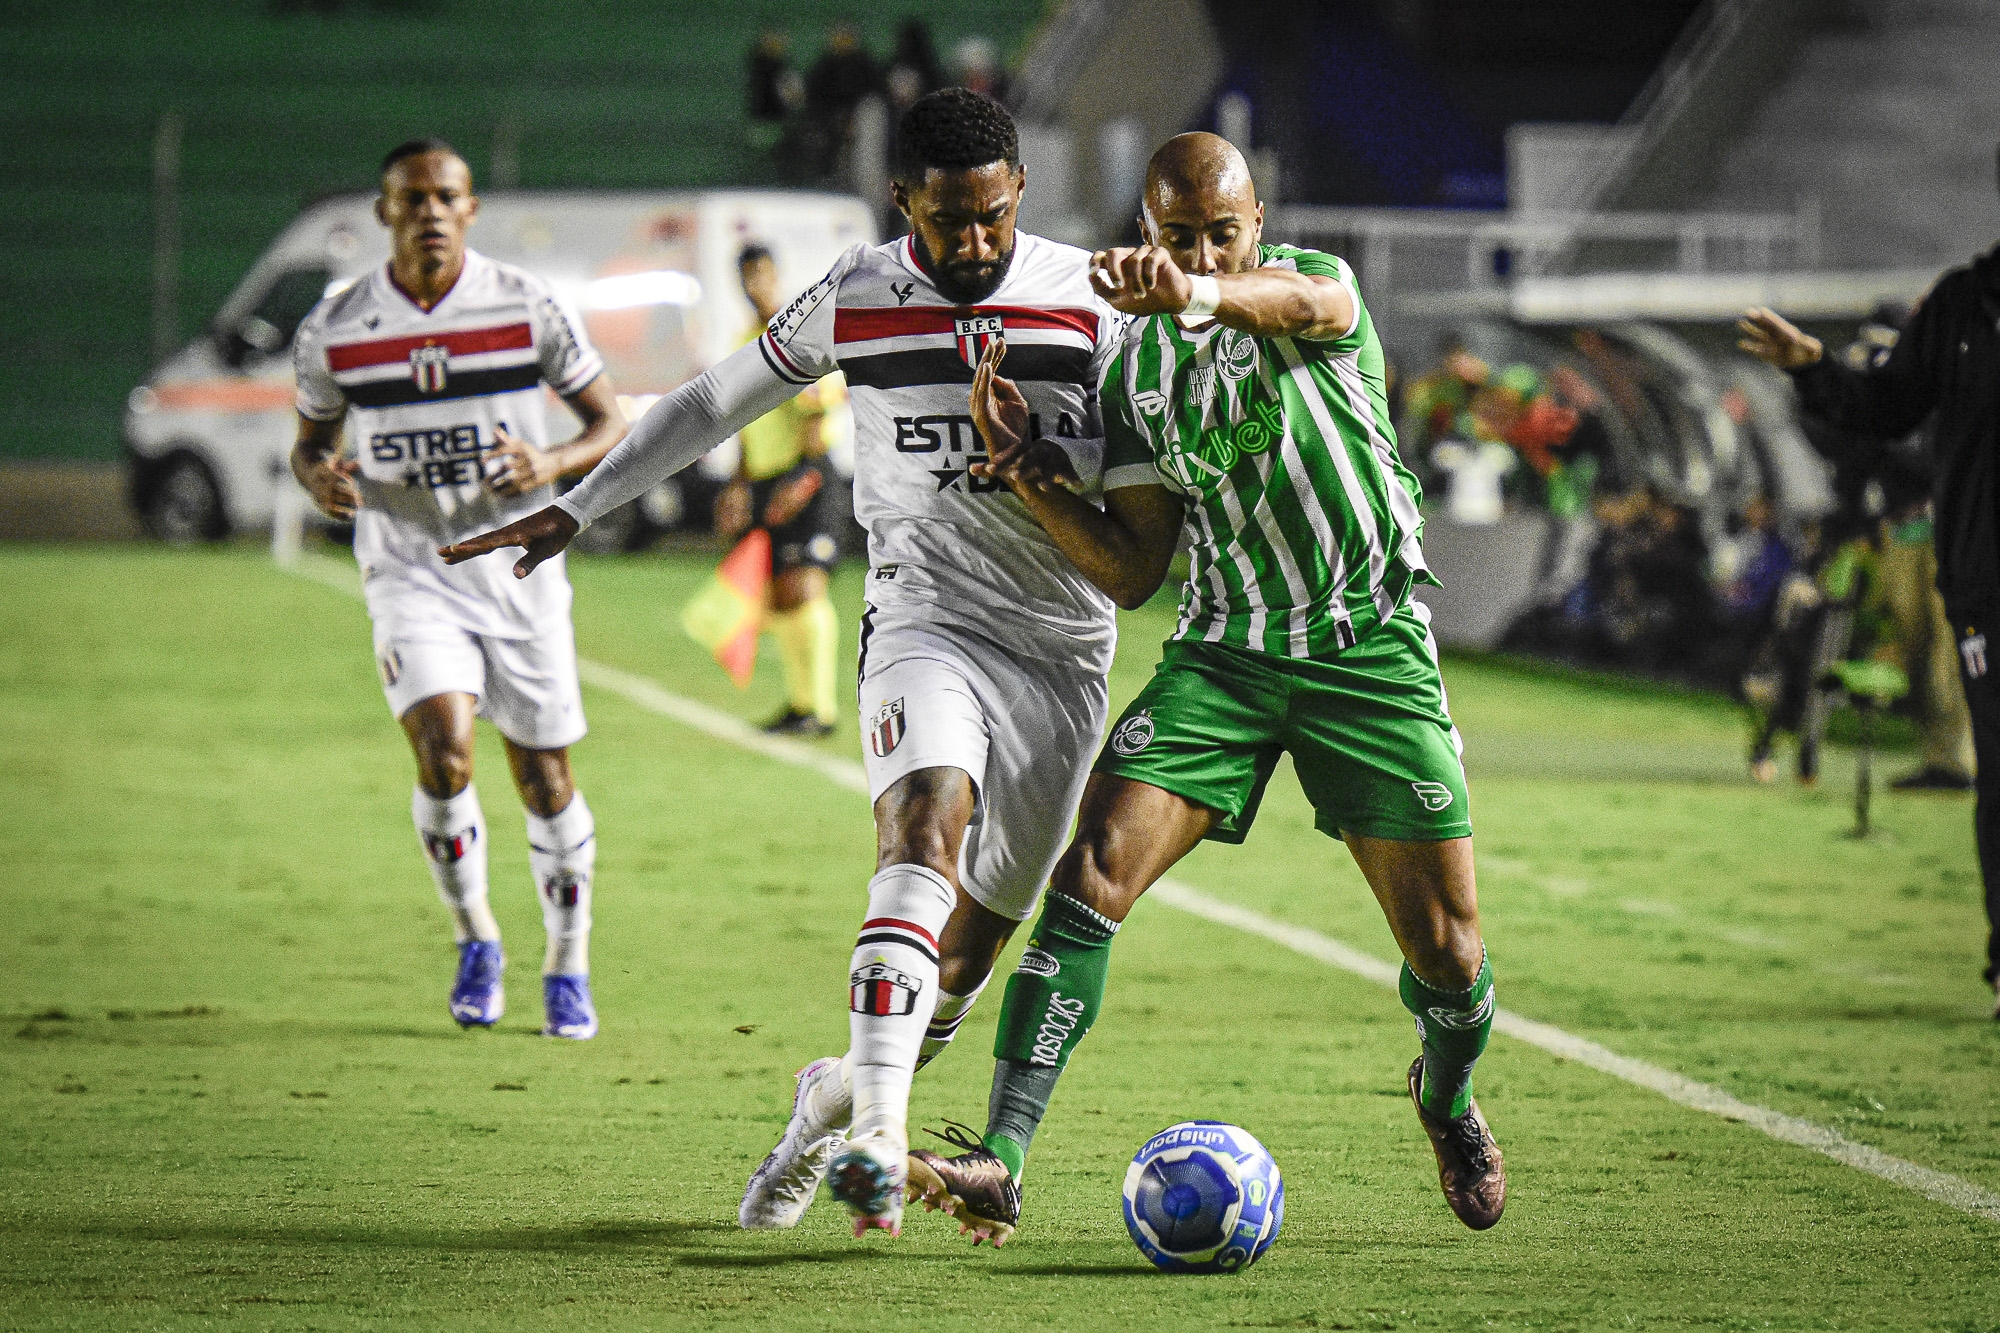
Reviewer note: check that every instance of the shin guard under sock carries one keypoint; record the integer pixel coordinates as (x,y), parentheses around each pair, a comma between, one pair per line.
(453,833)
(1453,1026)
(562,852)
(892,993)
(1051,1001)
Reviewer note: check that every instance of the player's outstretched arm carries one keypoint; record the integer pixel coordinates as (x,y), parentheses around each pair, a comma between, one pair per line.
(1125,547)
(543,533)
(327,477)
(1267,302)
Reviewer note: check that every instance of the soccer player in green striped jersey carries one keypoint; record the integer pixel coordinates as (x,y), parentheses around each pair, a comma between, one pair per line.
(1246,405)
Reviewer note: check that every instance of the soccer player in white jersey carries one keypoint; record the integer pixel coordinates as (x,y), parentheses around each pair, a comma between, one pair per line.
(435,364)
(984,651)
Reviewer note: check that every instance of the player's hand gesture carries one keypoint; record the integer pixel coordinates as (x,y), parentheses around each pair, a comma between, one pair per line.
(544,533)
(1769,337)
(329,479)
(517,467)
(1000,413)
(1145,281)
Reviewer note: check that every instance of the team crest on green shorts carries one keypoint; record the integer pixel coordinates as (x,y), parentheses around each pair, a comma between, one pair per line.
(1434,795)
(1134,734)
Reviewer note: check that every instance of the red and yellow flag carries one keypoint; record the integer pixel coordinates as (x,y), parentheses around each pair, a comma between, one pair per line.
(727,614)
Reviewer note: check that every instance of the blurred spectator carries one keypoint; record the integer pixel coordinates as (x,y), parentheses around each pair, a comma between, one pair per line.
(1473,473)
(915,70)
(776,92)
(839,81)
(978,62)
(1434,408)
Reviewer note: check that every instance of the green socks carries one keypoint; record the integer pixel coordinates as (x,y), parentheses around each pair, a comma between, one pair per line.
(1051,1001)
(1453,1026)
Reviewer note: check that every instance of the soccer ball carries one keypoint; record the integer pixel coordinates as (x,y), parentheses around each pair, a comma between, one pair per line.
(1203,1197)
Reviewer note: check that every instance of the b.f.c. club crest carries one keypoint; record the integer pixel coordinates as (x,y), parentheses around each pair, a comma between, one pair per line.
(975,334)
(885,729)
(427,367)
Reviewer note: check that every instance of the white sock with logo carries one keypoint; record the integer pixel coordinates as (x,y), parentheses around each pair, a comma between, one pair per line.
(892,993)
(562,852)
(453,834)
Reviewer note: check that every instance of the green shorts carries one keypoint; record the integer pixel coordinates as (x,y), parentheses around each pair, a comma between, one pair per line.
(1367,731)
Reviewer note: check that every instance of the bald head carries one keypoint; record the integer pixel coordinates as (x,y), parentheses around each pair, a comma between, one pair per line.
(1201,205)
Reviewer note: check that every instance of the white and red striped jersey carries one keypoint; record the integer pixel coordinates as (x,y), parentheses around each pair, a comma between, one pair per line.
(937,534)
(424,391)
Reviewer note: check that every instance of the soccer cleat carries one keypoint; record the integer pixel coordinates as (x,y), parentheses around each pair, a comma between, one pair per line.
(792,722)
(1469,1166)
(566,1002)
(975,1187)
(781,1189)
(477,999)
(868,1176)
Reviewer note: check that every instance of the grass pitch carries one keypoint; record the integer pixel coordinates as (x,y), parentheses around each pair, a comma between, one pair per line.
(231,1096)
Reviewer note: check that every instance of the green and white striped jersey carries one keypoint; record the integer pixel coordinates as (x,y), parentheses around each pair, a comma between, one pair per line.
(1302,520)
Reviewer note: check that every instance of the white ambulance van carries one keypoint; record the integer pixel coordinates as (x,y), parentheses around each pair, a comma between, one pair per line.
(207,436)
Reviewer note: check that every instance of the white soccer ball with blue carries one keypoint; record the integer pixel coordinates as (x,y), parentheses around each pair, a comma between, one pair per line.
(1203,1197)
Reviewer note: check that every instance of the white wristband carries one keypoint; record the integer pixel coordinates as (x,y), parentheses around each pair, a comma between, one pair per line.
(1204,295)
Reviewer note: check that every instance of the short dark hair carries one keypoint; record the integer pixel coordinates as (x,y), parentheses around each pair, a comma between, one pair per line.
(953,129)
(409,148)
(752,253)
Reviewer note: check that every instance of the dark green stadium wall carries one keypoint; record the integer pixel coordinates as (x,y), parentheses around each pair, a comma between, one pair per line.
(290,99)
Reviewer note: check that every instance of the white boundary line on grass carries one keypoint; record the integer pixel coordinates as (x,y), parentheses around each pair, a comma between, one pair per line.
(1940,1186)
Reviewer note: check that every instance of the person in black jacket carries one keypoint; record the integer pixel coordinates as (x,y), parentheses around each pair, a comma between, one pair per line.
(1946,366)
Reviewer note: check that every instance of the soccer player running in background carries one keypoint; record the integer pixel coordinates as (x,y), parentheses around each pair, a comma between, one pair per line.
(983,649)
(437,360)
(1246,401)
(784,484)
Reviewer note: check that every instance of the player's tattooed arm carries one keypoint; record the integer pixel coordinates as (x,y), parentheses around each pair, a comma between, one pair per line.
(327,477)
(1123,548)
(1267,302)
(520,467)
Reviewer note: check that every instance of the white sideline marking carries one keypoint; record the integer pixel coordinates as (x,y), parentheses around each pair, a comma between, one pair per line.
(1942,1187)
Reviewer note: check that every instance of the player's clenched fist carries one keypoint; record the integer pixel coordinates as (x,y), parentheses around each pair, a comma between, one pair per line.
(329,479)
(544,533)
(1145,281)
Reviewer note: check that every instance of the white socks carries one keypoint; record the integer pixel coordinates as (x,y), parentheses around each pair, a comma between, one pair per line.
(453,833)
(562,850)
(892,993)
(950,1012)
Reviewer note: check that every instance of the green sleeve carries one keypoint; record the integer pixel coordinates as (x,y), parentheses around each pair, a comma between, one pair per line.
(1128,456)
(1322,265)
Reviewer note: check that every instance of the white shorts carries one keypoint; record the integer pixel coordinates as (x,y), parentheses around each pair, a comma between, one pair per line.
(1024,724)
(527,688)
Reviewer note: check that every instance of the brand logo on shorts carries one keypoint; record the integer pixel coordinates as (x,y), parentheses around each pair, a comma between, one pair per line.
(1973,649)
(427,367)
(1434,795)
(1038,964)
(885,729)
(391,664)
(1134,734)
(881,990)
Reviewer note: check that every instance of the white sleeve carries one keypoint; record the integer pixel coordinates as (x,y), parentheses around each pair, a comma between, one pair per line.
(799,341)
(679,429)
(319,398)
(567,359)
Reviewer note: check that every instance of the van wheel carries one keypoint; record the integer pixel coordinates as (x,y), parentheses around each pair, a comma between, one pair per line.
(185,503)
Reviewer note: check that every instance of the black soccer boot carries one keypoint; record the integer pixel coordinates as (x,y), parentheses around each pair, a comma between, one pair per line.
(792,722)
(974,1187)
(1469,1166)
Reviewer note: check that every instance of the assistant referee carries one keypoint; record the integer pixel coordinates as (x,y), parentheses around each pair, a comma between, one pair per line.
(1946,368)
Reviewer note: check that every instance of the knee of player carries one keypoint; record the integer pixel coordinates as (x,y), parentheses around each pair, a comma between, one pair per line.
(444,770)
(1096,872)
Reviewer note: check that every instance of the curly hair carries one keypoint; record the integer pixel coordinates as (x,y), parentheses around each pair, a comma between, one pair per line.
(952,129)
